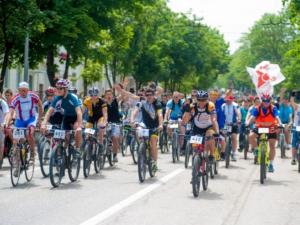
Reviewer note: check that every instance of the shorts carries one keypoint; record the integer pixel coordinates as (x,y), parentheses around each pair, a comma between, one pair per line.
(115,130)
(93,121)
(31,122)
(56,119)
(295,139)
(68,122)
(203,131)
(2,136)
(270,135)
(235,129)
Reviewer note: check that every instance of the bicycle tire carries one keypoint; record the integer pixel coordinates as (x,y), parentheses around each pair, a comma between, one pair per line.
(56,166)
(196,180)
(29,165)
(282,147)
(15,167)
(161,142)
(204,174)
(134,150)
(187,154)
(227,153)
(174,146)
(246,147)
(142,162)
(262,165)
(87,160)
(44,156)
(124,144)
(216,167)
(73,165)
(98,158)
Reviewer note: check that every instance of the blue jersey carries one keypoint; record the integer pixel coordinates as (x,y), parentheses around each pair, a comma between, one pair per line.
(68,104)
(285,113)
(220,115)
(176,109)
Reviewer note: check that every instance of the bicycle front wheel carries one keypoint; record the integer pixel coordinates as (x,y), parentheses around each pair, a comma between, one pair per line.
(204,172)
(174,147)
(44,157)
(262,165)
(29,164)
(142,162)
(187,154)
(87,159)
(134,150)
(73,165)
(56,166)
(195,175)
(15,166)
(227,154)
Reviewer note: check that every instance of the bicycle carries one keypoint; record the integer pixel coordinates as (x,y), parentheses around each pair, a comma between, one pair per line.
(174,126)
(63,156)
(134,145)
(21,157)
(200,164)
(281,141)
(188,150)
(126,137)
(163,139)
(92,151)
(244,139)
(217,156)
(227,131)
(144,153)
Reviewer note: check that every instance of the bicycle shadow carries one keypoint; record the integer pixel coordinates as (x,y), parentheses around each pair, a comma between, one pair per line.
(231,166)
(96,176)
(207,195)
(221,177)
(22,186)
(67,186)
(271,182)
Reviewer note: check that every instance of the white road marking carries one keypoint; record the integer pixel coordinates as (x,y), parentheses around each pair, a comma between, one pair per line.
(131,199)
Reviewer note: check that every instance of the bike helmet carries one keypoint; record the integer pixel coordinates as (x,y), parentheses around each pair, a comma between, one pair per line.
(266,97)
(73,90)
(63,83)
(50,91)
(202,95)
(94,91)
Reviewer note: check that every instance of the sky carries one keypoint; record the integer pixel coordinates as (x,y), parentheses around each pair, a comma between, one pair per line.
(231,17)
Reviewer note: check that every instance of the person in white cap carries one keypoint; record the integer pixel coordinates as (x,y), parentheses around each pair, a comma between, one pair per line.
(24,104)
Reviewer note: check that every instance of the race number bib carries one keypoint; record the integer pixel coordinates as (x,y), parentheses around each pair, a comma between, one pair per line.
(298,128)
(228,128)
(196,140)
(59,134)
(89,131)
(174,126)
(143,132)
(263,130)
(18,134)
(188,127)
(49,127)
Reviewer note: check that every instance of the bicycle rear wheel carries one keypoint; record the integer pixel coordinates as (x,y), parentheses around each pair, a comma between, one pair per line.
(187,154)
(56,166)
(73,165)
(228,153)
(262,165)
(29,164)
(142,162)
(174,147)
(15,166)
(282,147)
(134,150)
(204,173)
(246,147)
(98,160)
(196,179)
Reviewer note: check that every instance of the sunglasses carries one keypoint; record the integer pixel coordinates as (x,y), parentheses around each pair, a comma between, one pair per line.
(266,101)
(60,88)
(201,100)
(148,95)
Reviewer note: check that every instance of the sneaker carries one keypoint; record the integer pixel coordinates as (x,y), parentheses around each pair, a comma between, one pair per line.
(271,168)
(288,147)
(222,156)
(233,157)
(154,166)
(293,162)
(115,158)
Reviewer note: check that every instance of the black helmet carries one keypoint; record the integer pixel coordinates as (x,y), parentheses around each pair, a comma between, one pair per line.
(202,95)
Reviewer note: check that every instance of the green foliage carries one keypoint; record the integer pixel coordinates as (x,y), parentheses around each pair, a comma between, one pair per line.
(92,72)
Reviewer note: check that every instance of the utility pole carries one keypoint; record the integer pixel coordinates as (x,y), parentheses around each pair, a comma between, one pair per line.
(26,58)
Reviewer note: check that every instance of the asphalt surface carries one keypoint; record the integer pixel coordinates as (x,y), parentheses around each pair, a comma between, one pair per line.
(115,196)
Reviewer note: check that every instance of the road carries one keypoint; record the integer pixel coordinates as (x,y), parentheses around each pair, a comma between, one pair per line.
(115,196)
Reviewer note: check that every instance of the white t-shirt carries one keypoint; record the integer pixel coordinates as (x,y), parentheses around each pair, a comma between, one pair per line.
(297,117)
(3,110)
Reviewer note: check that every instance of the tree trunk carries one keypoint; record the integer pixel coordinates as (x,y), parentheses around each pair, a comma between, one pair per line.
(66,73)
(84,80)
(114,70)
(50,66)
(107,76)
(5,64)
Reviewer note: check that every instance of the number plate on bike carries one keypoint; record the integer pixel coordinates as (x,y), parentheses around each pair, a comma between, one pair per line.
(89,131)
(143,132)
(228,128)
(49,127)
(298,128)
(188,127)
(18,134)
(196,140)
(263,130)
(173,126)
(59,134)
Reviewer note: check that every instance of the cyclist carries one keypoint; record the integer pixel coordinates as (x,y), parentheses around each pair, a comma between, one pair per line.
(72,114)
(24,104)
(50,93)
(204,120)
(4,110)
(232,116)
(8,96)
(285,115)
(151,116)
(295,138)
(113,116)
(97,111)
(244,111)
(267,113)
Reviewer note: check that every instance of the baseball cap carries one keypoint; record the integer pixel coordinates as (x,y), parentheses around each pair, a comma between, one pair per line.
(24,85)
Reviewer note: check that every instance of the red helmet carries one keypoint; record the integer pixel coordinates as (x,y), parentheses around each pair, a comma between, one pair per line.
(50,91)
(251,98)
